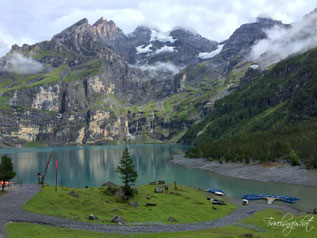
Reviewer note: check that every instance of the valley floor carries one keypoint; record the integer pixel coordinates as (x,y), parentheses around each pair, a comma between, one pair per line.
(274,172)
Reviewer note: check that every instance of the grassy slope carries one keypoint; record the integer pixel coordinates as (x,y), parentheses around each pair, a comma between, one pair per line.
(185,205)
(255,225)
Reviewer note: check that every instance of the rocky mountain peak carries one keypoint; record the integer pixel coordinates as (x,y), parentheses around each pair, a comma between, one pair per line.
(85,38)
(265,21)
(246,35)
(78,26)
(99,21)
(140,32)
(180,32)
(104,28)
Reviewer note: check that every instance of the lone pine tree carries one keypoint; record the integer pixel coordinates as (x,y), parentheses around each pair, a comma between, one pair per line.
(6,170)
(127,171)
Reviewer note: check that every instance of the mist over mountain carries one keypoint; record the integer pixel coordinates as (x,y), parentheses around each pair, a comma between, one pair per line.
(283,41)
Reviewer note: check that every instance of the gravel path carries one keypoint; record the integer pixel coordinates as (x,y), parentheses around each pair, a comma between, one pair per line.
(282,173)
(11,211)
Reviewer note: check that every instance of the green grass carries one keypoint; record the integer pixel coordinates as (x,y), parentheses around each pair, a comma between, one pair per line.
(255,226)
(260,221)
(51,77)
(24,82)
(34,144)
(185,205)
(85,70)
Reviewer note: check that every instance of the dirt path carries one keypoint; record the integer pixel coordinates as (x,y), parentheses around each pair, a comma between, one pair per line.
(11,211)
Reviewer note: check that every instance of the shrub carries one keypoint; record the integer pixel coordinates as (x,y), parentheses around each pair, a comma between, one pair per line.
(294,159)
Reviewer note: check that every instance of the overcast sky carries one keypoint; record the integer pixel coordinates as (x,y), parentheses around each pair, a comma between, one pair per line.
(31,21)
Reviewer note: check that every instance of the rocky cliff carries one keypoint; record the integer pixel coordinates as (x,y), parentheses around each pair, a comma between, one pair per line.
(92,84)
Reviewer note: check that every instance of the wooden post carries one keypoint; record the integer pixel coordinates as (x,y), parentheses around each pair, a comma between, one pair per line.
(56,174)
(49,160)
(175,186)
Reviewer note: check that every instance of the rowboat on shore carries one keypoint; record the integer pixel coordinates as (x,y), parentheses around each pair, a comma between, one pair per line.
(216,191)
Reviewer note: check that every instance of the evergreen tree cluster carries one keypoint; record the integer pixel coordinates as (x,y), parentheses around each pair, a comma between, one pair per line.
(273,117)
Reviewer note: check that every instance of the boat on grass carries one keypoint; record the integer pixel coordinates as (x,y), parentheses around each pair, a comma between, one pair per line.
(216,191)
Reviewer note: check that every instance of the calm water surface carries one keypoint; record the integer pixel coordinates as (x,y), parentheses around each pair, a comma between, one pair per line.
(93,165)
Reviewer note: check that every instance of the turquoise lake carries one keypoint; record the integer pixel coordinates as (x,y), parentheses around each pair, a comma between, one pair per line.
(81,166)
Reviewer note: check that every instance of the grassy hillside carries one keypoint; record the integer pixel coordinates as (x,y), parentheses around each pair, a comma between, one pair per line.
(275,116)
(185,205)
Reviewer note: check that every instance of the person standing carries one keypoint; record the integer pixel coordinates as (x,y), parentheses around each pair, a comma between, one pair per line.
(40,177)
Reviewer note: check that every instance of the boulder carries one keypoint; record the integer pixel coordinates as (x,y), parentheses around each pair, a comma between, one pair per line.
(117,219)
(133,204)
(171,219)
(119,193)
(110,185)
(74,193)
(161,182)
(158,190)
(148,197)
(92,217)
(150,204)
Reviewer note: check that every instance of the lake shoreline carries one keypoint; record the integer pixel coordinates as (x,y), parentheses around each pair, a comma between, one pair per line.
(281,173)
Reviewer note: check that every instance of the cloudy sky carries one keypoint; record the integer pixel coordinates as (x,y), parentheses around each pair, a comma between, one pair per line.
(31,21)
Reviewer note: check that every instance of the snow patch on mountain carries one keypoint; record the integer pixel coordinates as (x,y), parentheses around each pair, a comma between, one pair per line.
(165,49)
(209,55)
(254,66)
(142,49)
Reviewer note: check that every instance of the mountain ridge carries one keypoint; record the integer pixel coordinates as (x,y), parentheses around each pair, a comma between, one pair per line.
(97,85)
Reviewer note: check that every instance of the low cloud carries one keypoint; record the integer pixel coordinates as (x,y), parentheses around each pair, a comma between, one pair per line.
(18,63)
(286,41)
(161,67)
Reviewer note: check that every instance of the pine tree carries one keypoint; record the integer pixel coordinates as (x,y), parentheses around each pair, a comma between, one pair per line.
(127,171)
(6,170)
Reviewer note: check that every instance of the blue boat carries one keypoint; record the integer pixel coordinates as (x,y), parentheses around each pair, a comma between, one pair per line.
(213,190)
(270,197)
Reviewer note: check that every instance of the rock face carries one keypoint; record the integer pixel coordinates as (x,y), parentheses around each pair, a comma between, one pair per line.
(92,84)
(246,35)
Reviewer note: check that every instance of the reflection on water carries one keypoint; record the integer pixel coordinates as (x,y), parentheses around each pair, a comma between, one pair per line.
(93,165)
